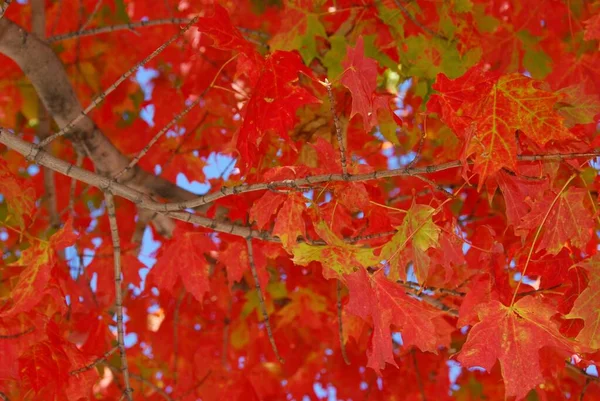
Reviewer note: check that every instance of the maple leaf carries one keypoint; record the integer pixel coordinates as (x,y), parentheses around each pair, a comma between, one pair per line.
(491,110)
(577,106)
(38,261)
(184,257)
(289,224)
(517,191)
(19,195)
(235,259)
(592,28)
(226,36)
(587,305)
(272,107)
(263,209)
(568,220)
(386,304)
(514,336)
(420,233)
(302,36)
(305,306)
(360,77)
(337,257)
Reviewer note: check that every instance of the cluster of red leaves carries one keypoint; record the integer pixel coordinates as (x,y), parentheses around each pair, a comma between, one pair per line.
(487,263)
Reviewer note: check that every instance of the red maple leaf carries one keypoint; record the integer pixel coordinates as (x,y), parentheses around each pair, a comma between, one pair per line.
(514,336)
(385,303)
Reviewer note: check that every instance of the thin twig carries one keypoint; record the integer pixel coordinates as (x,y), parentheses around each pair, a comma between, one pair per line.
(4,7)
(114,232)
(584,389)
(94,363)
(416,21)
(90,17)
(114,86)
(582,372)
(340,324)
(261,300)
(176,335)
(132,26)
(144,381)
(112,28)
(16,335)
(200,383)
(419,380)
(338,127)
(418,286)
(178,117)
(3,396)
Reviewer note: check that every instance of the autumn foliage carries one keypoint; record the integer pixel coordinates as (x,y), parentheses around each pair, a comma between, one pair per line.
(401,200)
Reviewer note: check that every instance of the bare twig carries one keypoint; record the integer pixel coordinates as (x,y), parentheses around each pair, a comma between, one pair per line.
(582,372)
(178,117)
(340,324)
(416,21)
(448,291)
(94,363)
(114,232)
(196,386)
(114,86)
(144,381)
(261,300)
(156,137)
(112,28)
(90,17)
(4,7)
(338,127)
(418,374)
(3,396)
(132,26)
(176,335)
(16,335)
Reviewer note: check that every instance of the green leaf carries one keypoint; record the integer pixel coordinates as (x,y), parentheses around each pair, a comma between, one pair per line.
(332,58)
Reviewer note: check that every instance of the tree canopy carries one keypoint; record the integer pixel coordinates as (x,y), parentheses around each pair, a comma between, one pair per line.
(299,200)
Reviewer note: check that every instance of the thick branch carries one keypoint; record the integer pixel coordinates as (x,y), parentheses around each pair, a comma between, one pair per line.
(4,7)
(106,184)
(47,74)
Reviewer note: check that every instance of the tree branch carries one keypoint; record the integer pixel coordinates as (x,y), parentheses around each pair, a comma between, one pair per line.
(49,78)
(94,363)
(316,179)
(64,130)
(338,128)
(141,200)
(114,232)
(132,26)
(4,7)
